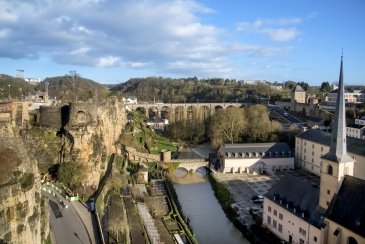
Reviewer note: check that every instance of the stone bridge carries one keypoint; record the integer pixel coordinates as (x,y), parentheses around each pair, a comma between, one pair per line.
(192,165)
(181,111)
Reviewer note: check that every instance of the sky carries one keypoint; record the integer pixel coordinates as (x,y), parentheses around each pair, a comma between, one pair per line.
(111,41)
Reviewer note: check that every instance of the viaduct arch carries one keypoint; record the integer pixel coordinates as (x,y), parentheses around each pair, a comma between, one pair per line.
(175,112)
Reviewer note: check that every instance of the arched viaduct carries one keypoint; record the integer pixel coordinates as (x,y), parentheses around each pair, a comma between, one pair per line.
(175,112)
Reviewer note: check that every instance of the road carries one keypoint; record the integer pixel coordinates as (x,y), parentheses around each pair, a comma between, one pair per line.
(67,225)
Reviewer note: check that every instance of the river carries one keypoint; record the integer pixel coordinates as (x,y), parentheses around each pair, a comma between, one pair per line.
(207,219)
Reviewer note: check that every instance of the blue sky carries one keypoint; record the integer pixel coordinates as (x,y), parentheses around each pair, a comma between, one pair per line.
(111,41)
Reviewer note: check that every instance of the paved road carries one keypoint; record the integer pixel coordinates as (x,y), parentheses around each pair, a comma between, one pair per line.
(66,224)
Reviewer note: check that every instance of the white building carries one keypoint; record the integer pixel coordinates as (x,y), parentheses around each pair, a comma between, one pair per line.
(255,158)
(355,131)
(292,213)
(357,96)
(312,144)
(360,120)
(335,212)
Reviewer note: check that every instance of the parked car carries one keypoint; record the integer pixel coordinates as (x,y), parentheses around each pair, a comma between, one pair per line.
(257,199)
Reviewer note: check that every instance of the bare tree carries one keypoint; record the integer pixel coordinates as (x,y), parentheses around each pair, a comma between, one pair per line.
(227,126)
(74,79)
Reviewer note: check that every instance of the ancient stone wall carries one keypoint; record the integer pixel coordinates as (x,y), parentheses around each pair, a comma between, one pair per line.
(50,117)
(134,155)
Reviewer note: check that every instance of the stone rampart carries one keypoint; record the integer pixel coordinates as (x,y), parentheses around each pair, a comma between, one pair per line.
(50,117)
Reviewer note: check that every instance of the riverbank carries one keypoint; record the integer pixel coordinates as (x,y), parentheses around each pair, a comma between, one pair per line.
(254,233)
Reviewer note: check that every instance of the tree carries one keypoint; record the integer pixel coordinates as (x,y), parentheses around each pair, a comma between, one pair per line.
(71,173)
(325,87)
(304,85)
(289,84)
(227,126)
(259,126)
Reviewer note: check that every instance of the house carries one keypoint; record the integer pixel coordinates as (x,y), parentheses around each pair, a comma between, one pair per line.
(292,213)
(333,214)
(255,158)
(312,144)
(355,131)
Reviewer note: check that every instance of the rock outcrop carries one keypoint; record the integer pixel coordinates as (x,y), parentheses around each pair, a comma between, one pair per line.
(20,211)
(90,135)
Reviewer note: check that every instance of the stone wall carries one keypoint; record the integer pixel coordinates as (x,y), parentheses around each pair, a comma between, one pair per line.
(50,117)
(134,155)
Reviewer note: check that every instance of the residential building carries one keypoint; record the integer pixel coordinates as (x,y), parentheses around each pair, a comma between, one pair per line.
(298,94)
(292,213)
(312,144)
(336,209)
(357,96)
(360,120)
(255,158)
(355,131)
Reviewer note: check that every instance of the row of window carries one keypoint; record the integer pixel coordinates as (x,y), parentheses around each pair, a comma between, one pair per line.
(275,224)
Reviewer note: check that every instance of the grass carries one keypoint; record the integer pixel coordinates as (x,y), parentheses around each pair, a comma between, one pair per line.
(222,194)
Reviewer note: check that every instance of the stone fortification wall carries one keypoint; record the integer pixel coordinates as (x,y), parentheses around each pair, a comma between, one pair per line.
(134,155)
(50,117)
(20,211)
(82,114)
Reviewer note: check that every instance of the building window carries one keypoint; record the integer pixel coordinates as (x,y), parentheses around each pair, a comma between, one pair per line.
(280,228)
(328,192)
(274,223)
(327,203)
(305,150)
(329,170)
(315,239)
(301,241)
(303,232)
(312,146)
(312,160)
(321,149)
(352,240)
(305,143)
(275,212)
(269,220)
(269,208)
(305,157)
(312,153)
(280,216)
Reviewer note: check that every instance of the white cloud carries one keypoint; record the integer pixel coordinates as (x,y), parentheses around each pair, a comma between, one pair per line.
(156,34)
(4,33)
(280,29)
(108,61)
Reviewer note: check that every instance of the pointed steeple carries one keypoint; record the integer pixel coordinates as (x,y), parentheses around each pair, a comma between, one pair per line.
(338,147)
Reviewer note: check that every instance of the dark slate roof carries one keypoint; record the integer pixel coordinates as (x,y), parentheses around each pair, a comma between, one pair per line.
(354,145)
(303,195)
(257,150)
(347,207)
(336,90)
(315,119)
(356,126)
(298,88)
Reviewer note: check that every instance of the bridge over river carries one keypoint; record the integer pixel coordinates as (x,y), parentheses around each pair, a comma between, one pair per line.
(181,111)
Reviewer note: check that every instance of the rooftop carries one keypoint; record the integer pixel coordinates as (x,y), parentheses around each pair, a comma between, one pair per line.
(256,150)
(354,145)
(298,88)
(356,126)
(301,198)
(347,207)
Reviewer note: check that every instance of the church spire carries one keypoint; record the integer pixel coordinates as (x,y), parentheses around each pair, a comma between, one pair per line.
(338,148)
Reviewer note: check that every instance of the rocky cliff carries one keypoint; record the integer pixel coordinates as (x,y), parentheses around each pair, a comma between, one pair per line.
(90,135)
(20,198)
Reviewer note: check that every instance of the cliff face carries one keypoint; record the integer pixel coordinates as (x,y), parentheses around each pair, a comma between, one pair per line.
(90,135)
(20,198)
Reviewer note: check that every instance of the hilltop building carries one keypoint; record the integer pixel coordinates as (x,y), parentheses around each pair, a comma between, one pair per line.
(331,212)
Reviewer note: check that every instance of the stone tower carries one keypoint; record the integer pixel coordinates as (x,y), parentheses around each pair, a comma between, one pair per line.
(336,163)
